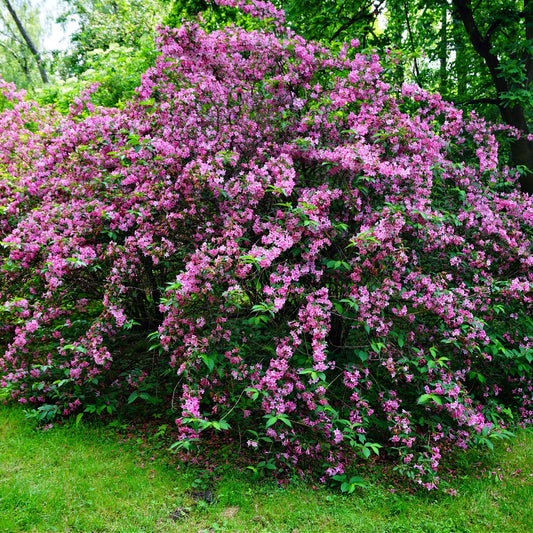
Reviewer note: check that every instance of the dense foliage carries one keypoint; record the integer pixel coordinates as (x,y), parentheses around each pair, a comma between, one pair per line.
(270,241)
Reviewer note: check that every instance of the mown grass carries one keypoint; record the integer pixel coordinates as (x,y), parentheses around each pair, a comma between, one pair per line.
(87,479)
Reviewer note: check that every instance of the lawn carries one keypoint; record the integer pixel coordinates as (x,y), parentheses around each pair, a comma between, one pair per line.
(92,479)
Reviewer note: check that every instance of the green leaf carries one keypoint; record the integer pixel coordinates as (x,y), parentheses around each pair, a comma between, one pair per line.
(209,361)
(425,398)
(271,421)
(133,396)
(254,392)
(357,480)
(285,420)
(76,348)
(338,307)
(339,477)
(362,355)
(351,303)
(345,487)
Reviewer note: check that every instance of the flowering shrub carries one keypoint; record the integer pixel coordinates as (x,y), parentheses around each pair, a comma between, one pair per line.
(275,243)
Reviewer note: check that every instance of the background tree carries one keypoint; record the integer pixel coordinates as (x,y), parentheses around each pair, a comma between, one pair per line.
(20,41)
(501,33)
(478,55)
(334,20)
(113,45)
(104,22)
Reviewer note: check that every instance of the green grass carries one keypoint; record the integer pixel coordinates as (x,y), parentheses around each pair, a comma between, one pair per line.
(87,479)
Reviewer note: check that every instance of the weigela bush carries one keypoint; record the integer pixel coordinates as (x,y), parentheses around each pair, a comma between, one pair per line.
(287,247)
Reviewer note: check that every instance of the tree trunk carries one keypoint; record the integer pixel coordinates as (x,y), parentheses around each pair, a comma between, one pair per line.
(28,41)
